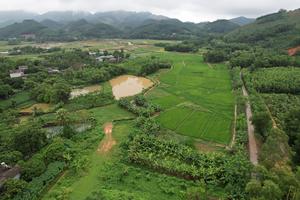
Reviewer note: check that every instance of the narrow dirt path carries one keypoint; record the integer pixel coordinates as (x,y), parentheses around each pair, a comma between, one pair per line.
(210,65)
(271,116)
(108,142)
(234,127)
(251,137)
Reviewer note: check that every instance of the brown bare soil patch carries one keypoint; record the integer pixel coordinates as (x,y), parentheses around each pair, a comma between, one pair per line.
(293,51)
(204,147)
(39,106)
(252,145)
(208,147)
(108,142)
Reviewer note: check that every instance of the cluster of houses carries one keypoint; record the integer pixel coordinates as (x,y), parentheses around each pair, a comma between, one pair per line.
(103,58)
(8,172)
(28,36)
(4,53)
(24,36)
(20,72)
(109,58)
(53,71)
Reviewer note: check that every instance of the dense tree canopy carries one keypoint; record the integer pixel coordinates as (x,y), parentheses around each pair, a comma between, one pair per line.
(29,138)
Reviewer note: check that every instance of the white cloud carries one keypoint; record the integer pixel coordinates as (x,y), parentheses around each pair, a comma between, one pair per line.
(187,10)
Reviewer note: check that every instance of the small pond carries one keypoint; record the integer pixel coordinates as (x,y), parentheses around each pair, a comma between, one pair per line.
(127,85)
(56,130)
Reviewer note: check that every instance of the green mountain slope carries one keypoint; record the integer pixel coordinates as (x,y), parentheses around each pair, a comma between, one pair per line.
(17,29)
(175,29)
(279,29)
(221,26)
(116,25)
(83,28)
(164,29)
(242,20)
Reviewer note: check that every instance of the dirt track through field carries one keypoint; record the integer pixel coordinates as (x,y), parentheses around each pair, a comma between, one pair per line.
(108,142)
(251,137)
(210,65)
(234,128)
(272,118)
(293,51)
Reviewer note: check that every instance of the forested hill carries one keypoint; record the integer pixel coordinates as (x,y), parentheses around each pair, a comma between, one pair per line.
(120,19)
(149,29)
(51,30)
(242,20)
(279,29)
(17,29)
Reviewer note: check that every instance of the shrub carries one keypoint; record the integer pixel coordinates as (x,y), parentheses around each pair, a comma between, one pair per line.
(38,184)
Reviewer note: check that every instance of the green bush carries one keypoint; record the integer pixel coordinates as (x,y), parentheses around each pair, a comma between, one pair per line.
(181,47)
(147,109)
(38,184)
(178,160)
(154,64)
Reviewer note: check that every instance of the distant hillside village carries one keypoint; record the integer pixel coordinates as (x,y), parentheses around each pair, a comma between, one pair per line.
(115,57)
(98,56)
(21,72)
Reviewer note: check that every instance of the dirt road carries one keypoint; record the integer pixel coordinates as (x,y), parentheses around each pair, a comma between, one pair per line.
(234,128)
(108,142)
(251,137)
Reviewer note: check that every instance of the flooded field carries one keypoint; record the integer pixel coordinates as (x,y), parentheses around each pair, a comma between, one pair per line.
(127,85)
(84,91)
(39,106)
(56,130)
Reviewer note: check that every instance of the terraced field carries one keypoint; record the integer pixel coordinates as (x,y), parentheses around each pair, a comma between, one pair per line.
(196,98)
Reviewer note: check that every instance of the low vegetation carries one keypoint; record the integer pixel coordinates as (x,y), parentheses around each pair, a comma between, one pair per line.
(184,138)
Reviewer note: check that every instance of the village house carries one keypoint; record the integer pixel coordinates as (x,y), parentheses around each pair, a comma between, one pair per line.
(92,53)
(113,60)
(4,52)
(18,73)
(7,172)
(28,36)
(53,71)
(23,67)
(105,58)
(99,59)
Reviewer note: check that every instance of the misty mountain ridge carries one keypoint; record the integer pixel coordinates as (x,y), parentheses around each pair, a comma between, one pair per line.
(121,19)
(69,25)
(116,18)
(241,21)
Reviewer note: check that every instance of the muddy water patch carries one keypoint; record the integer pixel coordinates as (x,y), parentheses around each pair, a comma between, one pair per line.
(84,91)
(57,130)
(127,85)
(108,141)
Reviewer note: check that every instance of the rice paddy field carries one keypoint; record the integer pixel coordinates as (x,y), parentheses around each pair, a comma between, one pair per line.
(107,176)
(196,98)
(197,105)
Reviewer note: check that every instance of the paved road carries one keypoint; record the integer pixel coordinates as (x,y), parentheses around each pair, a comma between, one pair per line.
(253,152)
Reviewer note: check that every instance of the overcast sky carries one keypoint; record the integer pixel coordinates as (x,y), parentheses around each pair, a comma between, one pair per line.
(186,10)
